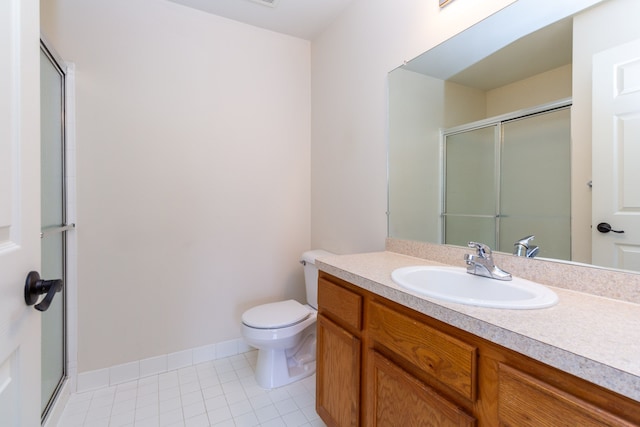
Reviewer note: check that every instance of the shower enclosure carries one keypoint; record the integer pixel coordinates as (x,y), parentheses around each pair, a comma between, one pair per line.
(53,222)
(509,178)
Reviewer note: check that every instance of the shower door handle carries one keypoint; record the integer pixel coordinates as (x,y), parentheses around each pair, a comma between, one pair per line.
(34,287)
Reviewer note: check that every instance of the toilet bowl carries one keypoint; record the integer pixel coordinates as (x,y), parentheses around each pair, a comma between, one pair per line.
(286,349)
(284,333)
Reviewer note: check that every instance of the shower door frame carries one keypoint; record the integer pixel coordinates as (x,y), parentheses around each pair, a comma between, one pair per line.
(497,122)
(67,384)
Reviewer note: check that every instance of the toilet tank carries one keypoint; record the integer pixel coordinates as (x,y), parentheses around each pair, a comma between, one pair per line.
(308,259)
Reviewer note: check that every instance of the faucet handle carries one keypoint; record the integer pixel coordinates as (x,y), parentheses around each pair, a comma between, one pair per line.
(524,248)
(525,240)
(484,251)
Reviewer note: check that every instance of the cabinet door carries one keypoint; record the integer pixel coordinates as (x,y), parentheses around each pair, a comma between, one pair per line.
(399,399)
(525,401)
(337,375)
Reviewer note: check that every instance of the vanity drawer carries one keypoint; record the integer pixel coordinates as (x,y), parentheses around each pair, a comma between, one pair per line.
(446,359)
(339,303)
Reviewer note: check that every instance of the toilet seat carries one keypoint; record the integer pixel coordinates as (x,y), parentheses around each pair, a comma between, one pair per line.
(275,315)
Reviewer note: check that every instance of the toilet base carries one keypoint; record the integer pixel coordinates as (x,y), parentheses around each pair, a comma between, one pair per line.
(279,367)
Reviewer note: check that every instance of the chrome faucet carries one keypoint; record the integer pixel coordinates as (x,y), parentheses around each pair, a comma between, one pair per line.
(523,247)
(481,264)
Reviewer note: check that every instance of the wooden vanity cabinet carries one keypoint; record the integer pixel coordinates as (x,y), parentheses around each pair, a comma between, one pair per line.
(383,364)
(339,350)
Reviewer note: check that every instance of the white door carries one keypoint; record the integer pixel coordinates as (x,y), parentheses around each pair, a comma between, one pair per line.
(19,210)
(616,157)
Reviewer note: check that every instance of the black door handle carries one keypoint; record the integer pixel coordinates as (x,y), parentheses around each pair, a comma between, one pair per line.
(604,227)
(34,287)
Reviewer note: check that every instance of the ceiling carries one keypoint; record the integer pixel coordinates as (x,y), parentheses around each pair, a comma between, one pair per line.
(548,48)
(299,18)
(478,58)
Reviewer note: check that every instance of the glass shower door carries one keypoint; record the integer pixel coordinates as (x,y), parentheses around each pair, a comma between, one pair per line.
(535,186)
(52,223)
(509,179)
(470,194)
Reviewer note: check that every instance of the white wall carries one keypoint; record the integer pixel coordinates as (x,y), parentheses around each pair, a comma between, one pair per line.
(463,104)
(193,157)
(540,89)
(350,63)
(415,115)
(193,172)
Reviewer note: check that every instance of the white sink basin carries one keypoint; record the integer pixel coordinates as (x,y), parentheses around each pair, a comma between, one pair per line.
(456,285)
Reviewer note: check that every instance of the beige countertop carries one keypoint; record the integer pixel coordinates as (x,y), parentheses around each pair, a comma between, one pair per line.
(592,337)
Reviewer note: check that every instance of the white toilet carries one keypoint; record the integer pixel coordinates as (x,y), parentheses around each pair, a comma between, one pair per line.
(285,332)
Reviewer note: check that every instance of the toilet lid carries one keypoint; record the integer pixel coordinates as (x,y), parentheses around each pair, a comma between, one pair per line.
(275,315)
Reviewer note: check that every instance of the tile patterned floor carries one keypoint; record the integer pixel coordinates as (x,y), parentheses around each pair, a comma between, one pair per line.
(218,393)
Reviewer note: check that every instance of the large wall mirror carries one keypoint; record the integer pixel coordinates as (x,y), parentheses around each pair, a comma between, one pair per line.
(493,78)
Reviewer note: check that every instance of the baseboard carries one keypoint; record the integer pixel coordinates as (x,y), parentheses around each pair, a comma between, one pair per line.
(131,371)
